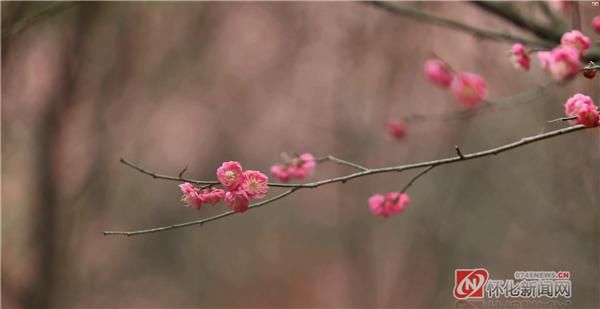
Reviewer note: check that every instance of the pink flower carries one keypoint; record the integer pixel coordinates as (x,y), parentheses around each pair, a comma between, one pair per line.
(299,168)
(255,184)
(280,172)
(469,88)
(562,63)
(575,103)
(230,174)
(438,72)
(376,205)
(588,116)
(520,56)
(576,40)
(396,129)
(545,58)
(212,195)
(596,23)
(391,203)
(190,196)
(582,107)
(237,200)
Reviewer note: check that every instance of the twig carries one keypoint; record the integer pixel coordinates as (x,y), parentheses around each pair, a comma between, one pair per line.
(510,14)
(562,119)
(201,221)
(424,16)
(399,168)
(347,163)
(412,180)
(458,152)
(182,171)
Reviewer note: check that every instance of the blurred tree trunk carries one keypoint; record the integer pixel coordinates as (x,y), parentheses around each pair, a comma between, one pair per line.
(47,241)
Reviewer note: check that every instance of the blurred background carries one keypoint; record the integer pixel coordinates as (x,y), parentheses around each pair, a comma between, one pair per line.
(169,85)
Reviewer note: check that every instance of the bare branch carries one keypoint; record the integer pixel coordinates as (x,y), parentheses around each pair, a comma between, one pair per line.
(425,16)
(419,175)
(428,164)
(562,119)
(347,163)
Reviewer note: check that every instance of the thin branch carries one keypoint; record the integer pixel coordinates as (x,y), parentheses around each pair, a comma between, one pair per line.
(427,17)
(419,175)
(182,171)
(429,164)
(523,97)
(512,15)
(458,152)
(201,221)
(347,163)
(562,119)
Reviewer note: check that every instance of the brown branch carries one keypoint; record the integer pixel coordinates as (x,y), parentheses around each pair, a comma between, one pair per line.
(419,175)
(429,164)
(512,15)
(427,17)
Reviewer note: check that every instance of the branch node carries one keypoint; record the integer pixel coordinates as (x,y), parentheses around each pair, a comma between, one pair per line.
(458,152)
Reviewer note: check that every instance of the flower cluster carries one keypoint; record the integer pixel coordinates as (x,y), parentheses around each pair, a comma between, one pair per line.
(596,23)
(582,107)
(469,88)
(242,186)
(564,61)
(520,56)
(391,203)
(299,167)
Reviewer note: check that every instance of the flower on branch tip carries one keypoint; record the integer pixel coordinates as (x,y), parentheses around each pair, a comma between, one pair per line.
(520,56)
(237,200)
(562,63)
(391,203)
(255,184)
(576,40)
(299,167)
(470,89)
(190,197)
(212,195)
(396,129)
(438,72)
(582,107)
(596,23)
(230,174)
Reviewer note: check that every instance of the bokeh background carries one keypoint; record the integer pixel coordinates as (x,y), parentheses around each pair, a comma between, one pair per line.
(169,85)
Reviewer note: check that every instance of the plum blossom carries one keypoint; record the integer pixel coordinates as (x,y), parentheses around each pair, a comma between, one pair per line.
(596,23)
(576,40)
(255,184)
(470,89)
(438,72)
(212,195)
(563,62)
(237,200)
(190,197)
(520,56)
(391,203)
(582,107)
(280,172)
(396,129)
(299,167)
(230,174)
